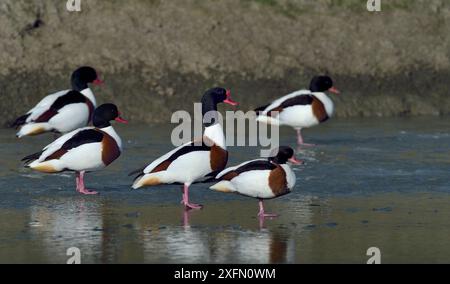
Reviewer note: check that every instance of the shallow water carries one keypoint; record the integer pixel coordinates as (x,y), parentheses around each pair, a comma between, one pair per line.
(369,182)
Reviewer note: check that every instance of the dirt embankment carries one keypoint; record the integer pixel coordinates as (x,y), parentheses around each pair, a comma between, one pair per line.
(158,56)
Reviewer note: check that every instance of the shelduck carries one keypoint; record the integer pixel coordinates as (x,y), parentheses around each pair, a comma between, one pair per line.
(195,161)
(63,111)
(301,109)
(83,150)
(260,178)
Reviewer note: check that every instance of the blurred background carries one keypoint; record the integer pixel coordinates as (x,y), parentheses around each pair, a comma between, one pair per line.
(159,56)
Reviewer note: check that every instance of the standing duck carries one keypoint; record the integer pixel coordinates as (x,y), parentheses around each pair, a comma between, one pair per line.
(261,178)
(195,161)
(301,109)
(83,150)
(62,111)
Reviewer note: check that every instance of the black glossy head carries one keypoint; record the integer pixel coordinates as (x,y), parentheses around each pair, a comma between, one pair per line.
(320,84)
(211,98)
(82,77)
(104,114)
(283,154)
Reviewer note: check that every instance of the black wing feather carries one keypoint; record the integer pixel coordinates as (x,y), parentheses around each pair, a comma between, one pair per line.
(252,166)
(138,173)
(19,121)
(72,97)
(295,101)
(298,100)
(261,108)
(255,165)
(191,147)
(83,137)
(32,157)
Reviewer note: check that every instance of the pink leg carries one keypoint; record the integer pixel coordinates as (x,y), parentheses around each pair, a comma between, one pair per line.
(77,181)
(261,223)
(80,185)
(300,138)
(182,192)
(185,200)
(261,213)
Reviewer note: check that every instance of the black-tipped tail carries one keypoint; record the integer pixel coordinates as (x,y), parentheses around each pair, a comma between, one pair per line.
(19,121)
(30,158)
(138,173)
(260,109)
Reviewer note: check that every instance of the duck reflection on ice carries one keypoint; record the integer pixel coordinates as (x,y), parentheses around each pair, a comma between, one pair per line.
(191,243)
(67,224)
(114,232)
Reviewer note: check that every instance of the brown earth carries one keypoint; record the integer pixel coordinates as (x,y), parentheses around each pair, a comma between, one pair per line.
(158,56)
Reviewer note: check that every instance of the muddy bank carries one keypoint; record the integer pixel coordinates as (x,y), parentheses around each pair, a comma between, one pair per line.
(158,56)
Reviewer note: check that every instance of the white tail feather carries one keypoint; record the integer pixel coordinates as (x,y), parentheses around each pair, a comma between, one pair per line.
(146,180)
(33,129)
(224,186)
(268,120)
